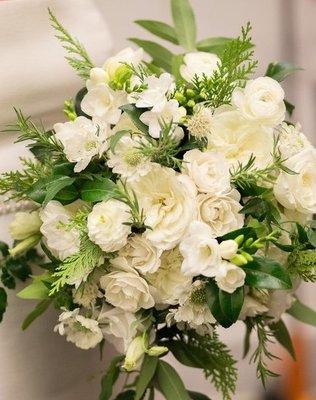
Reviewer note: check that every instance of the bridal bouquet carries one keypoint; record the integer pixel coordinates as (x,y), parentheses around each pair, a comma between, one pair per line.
(175,199)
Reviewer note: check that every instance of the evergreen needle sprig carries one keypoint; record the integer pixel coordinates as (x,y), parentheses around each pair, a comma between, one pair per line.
(78,57)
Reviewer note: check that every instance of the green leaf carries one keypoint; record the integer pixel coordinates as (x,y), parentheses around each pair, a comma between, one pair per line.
(7,279)
(18,268)
(264,273)
(198,396)
(134,113)
(248,232)
(162,57)
(214,45)
(98,190)
(281,70)
(3,302)
(4,249)
(184,22)
(128,395)
(282,335)
(249,329)
(184,354)
(46,189)
(37,290)
(289,107)
(160,29)
(116,138)
(38,311)
(110,378)
(231,304)
(145,376)
(303,313)
(177,61)
(170,383)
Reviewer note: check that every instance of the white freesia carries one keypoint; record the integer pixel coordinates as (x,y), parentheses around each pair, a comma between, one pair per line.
(62,242)
(262,101)
(251,308)
(170,112)
(125,288)
(169,283)
(127,160)
(298,191)
(220,212)
(24,225)
(168,203)
(103,103)
(198,64)
(141,254)
(200,251)
(208,170)
(106,225)
(291,139)
(230,277)
(200,123)
(84,332)
(228,249)
(81,140)
(237,139)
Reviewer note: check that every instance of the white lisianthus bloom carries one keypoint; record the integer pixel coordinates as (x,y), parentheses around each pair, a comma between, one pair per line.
(200,123)
(251,308)
(170,112)
(198,63)
(125,288)
(208,170)
(141,254)
(230,277)
(118,326)
(237,139)
(262,101)
(168,283)
(298,191)
(85,333)
(200,251)
(81,140)
(103,103)
(155,95)
(24,225)
(279,302)
(127,160)
(106,225)
(291,140)
(168,203)
(60,240)
(228,249)
(220,212)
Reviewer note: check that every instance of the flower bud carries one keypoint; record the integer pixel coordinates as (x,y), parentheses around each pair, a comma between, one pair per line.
(239,239)
(239,260)
(247,256)
(134,353)
(180,97)
(190,93)
(157,351)
(228,249)
(24,225)
(25,245)
(249,242)
(191,103)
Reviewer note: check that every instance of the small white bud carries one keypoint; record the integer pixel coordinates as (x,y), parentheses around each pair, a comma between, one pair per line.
(228,249)
(157,351)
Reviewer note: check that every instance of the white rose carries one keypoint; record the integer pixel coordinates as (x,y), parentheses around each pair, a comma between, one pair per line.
(198,63)
(170,112)
(228,249)
(103,103)
(24,225)
(298,191)
(262,101)
(169,283)
(141,254)
(81,140)
(208,170)
(291,140)
(62,242)
(168,203)
(220,212)
(106,225)
(252,308)
(230,277)
(85,333)
(237,139)
(200,251)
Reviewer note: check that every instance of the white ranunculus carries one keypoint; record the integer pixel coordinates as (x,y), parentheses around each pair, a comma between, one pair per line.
(103,103)
(106,225)
(237,139)
(24,225)
(127,160)
(168,283)
(251,308)
(168,202)
(200,251)
(170,112)
(291,140)
(141,254)
(298,191)
(84,332)
(228,249)
(200,123)
(208,170)
(279,302)
(198,64)
(262,101)
(230,277)
(81,140)
(125,288)
(60,240)
(155,95)
(220,212)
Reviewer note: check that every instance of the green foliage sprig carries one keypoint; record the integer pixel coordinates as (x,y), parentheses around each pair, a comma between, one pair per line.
(303,264)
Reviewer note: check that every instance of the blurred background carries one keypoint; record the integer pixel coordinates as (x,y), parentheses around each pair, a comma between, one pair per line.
(38,364)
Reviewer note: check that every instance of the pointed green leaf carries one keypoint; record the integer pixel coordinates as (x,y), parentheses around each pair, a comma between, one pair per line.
(128,395)
(177,61)
(160,29)
(110,378)
(170,383)
(37,290)
(231,304)
(198,396)
(145,376)
(214,45)
(282,335)
(303,313)
(134,113)
(184,21)
(116,138)
(98,190)
(280,70)
(38,311)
